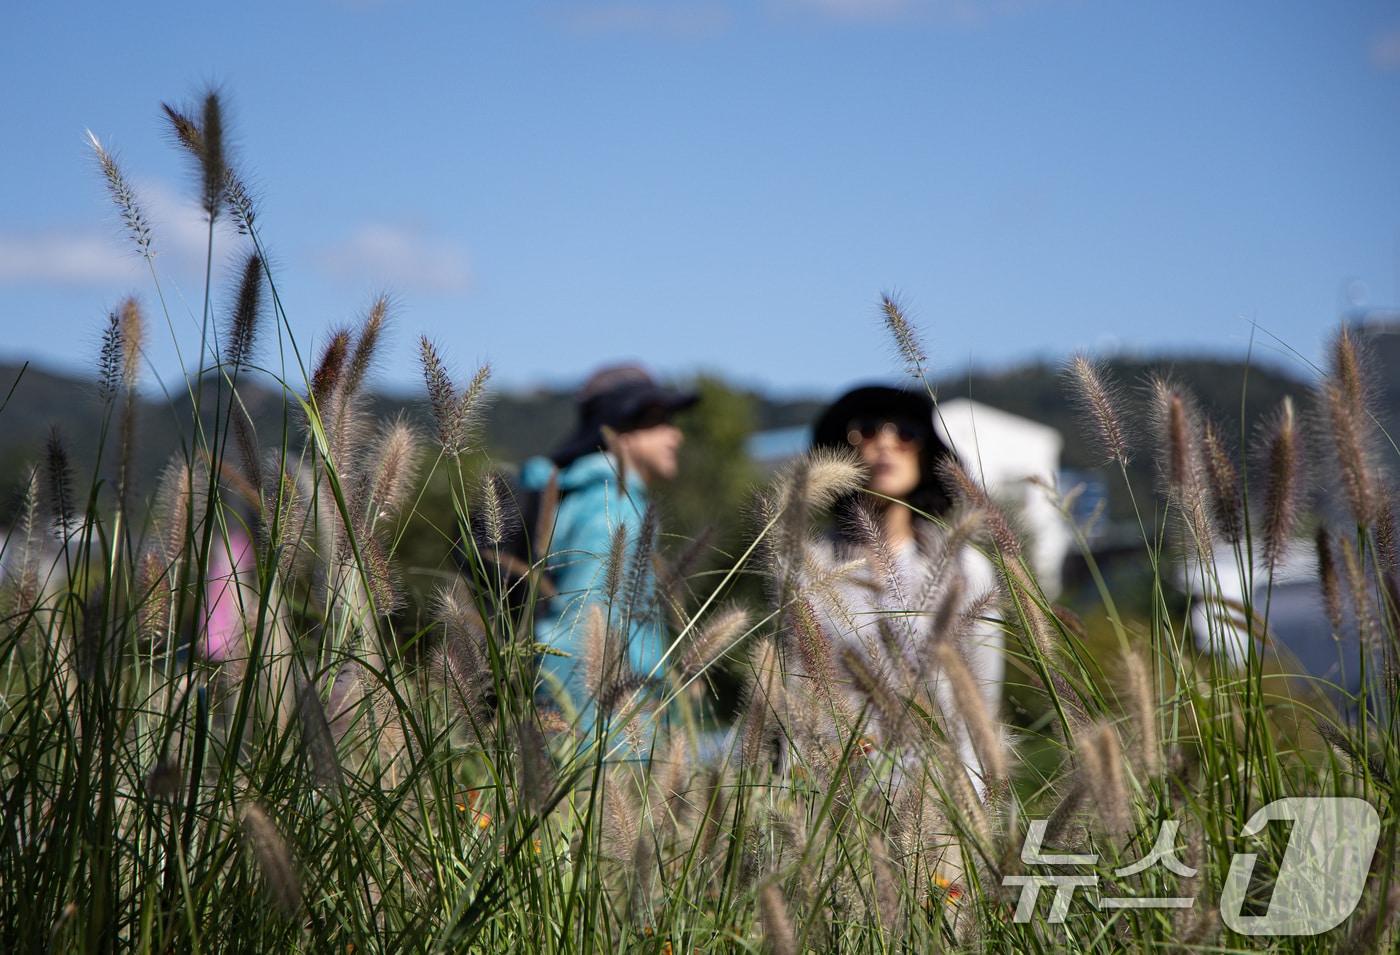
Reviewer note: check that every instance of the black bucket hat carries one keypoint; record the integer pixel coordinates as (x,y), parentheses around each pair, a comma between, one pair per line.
(623,398)
(883,401)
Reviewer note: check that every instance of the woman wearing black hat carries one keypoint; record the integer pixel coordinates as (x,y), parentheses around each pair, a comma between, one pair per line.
(893,432)
(625,441)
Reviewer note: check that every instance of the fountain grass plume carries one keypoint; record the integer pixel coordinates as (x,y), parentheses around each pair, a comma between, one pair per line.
(274,859)
(239,200)
(204,141)
(1227,505)
(458,417)
(615,565)
(393,468)
(58,474)
(640,567)
(890,709)
(1327,578)
(316,735)
(1099,398)
(972,495)
(762,699)
(972,710)
(906,338)
(1142,707)
(21,584)
(717,637)
(1373,764)
(325,380)
(247,310)
(813,645)
(1347,396)
(1101,758)
(1279,450)
(1177,423)
(366,344)
(460,663)
(492,511)
(1361,603)
(778,935)
(138,227)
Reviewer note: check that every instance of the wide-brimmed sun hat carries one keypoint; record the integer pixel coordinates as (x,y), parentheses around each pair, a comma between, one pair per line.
(884,402)
(623,398)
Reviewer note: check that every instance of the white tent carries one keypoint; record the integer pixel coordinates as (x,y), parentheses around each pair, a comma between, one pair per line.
(1018,461)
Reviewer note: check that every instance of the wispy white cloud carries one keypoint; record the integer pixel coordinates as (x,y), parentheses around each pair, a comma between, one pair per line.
(92,255)
(674,19)
(57,257)
(1385,51)
(403,256)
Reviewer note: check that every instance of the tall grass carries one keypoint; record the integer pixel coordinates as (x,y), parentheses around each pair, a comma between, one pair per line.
(220,731)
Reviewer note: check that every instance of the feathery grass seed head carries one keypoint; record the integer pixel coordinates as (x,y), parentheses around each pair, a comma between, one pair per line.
(137,225)
(247,309)
(905,336)
(1279,449)
(1099,398)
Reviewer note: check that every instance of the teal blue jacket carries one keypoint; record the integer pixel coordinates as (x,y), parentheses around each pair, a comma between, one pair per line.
(592,506)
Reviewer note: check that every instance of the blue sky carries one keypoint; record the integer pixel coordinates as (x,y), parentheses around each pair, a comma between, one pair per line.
(723,185)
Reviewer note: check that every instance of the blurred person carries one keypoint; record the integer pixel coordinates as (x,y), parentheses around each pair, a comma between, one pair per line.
(892,431)
(625,442)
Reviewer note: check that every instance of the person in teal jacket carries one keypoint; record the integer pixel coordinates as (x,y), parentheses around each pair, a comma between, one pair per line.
(625,442)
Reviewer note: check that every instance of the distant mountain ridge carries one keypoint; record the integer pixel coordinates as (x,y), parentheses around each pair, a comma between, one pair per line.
(522,423)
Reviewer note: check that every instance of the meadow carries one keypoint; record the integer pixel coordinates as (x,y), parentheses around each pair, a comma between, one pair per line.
(321,758)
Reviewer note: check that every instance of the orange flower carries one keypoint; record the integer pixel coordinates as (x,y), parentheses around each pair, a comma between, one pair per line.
(953,889)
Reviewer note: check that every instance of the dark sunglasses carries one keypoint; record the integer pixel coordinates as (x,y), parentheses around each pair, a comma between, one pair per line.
(906,431)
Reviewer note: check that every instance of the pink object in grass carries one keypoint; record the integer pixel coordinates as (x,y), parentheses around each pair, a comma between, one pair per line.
(223,617)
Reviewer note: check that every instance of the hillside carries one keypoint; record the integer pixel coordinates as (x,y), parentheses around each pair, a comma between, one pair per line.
(523,423)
